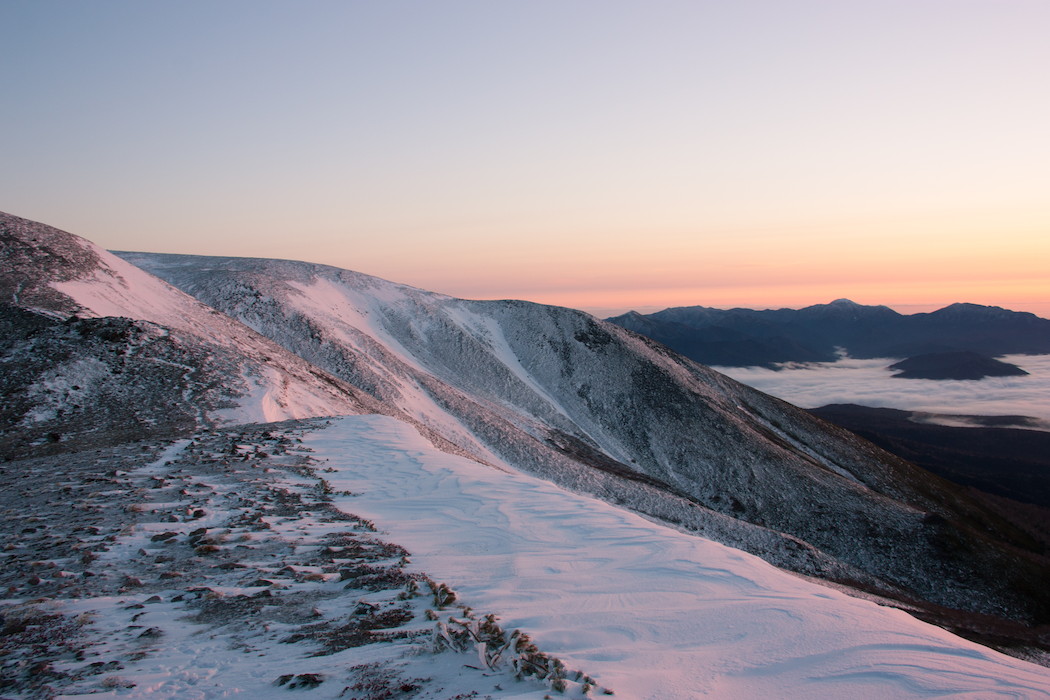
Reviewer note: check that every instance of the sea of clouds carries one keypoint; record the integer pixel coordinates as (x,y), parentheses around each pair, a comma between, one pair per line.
(870,383)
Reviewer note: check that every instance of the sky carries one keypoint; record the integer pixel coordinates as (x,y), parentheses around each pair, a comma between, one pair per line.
(601,155)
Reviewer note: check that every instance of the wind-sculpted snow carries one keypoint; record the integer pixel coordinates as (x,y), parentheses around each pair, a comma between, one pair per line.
(306,555)
(653,613)
(601,410)
(208,366)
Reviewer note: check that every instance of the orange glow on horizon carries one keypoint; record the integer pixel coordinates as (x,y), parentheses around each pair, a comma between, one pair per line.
(1018,295)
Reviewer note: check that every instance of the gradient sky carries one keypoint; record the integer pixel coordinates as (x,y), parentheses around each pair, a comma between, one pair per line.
(603,155)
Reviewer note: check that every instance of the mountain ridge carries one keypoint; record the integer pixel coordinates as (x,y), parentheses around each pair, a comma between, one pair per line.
(819,333)
(563,395)
(551,391)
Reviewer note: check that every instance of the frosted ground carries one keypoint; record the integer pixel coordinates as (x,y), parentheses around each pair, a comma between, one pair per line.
(245,563)
(869,383)
(648,611)
(219,567)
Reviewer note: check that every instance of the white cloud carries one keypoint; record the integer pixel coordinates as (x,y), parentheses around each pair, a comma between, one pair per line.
(869,383)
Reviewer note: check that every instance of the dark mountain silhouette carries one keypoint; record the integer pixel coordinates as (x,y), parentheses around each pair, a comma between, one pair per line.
(745,337)
(954,365)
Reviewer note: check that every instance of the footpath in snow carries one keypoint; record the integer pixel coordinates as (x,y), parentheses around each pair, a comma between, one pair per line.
(648,611)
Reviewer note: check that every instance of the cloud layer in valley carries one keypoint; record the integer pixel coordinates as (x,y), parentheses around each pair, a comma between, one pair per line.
(870,383)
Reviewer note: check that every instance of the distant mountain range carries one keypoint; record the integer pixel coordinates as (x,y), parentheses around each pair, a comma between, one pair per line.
(98,348)
(746,337)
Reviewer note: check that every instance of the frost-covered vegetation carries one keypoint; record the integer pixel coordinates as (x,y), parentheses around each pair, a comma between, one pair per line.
(220,564)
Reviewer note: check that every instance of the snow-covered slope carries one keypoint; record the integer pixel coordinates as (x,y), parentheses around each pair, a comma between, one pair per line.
(650,612)
(315,558)
(591,406)
(64,365)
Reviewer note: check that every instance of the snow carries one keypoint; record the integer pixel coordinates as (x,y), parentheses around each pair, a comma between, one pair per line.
(352,318)
(271,398)
(344,307)
(488,329)
(121,289)
(281,386)
(648,611)
(218,567)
